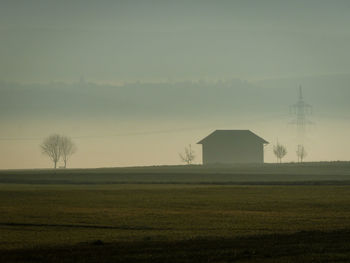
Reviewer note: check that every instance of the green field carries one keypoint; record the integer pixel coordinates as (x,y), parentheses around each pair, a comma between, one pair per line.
(291,173)
(172,222)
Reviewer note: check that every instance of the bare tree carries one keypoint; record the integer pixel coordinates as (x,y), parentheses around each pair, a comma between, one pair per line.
(188,156)
(301,153)
(280,151)
(51,148)
(67,148)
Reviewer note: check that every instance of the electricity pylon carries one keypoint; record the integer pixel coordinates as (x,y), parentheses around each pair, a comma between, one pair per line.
(301,109)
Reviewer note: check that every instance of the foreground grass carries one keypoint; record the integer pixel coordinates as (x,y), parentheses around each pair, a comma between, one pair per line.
(314,246)
(56,215)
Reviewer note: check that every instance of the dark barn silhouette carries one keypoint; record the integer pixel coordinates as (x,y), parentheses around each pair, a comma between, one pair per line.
(232,146)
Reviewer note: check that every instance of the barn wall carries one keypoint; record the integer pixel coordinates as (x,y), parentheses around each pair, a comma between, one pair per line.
(233,152)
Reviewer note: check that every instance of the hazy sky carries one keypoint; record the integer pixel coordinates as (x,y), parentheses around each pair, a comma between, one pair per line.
(113,41)
(262,50)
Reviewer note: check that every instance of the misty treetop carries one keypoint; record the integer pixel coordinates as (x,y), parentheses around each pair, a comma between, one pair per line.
(58,147)
(279,151)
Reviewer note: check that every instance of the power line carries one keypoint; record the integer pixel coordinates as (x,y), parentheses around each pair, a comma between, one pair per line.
(151,132)
(110,135)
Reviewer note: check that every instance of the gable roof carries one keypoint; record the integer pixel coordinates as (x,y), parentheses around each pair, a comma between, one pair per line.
(232,135)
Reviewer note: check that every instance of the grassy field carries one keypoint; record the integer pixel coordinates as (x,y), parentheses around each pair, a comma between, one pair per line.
(172,222)
(292,173)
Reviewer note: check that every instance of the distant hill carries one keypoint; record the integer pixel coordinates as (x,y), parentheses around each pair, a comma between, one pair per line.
(328,94)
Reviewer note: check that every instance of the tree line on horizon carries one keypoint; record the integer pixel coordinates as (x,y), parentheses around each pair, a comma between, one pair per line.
(59,147)
(279,150)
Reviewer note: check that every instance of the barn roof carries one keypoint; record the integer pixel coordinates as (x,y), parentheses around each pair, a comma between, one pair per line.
(232,135)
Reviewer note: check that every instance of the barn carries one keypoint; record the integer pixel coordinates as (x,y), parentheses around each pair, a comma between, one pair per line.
(232,146)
